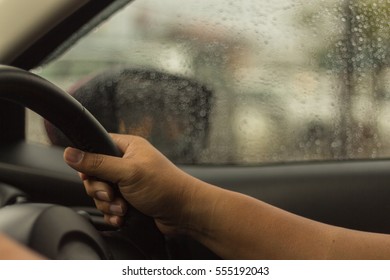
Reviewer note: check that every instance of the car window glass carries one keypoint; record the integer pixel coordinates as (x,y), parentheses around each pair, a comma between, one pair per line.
(276,81)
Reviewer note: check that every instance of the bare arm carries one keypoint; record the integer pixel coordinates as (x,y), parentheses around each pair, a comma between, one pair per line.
(238,226)
(11,250)
(233,225)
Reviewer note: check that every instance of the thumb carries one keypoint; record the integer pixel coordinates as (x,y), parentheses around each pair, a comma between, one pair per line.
(107,168)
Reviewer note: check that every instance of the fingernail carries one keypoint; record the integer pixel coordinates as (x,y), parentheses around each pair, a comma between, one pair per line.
(102,195)
(114,221)
(73,155)
(116,209)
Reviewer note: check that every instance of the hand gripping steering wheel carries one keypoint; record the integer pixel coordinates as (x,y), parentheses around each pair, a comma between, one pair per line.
(86,133)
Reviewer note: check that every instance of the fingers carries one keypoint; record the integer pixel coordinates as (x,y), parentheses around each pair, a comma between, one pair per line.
(99,190)
(121,171)
(104,167)
(104,198)
(115,221)
(112,208)
(115,208)
(113,212)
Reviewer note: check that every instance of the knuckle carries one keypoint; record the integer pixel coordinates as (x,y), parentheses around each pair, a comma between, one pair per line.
(102,206)
(97,161)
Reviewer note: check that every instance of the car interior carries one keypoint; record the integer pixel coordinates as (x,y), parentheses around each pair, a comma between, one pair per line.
(43,203)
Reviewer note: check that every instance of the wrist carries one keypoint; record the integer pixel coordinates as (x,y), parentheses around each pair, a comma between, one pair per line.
(202,204)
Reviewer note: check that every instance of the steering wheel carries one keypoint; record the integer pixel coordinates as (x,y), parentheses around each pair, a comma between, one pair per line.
(56,231)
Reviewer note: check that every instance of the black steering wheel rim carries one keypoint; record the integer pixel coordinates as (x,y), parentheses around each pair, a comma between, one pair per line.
(85,132)
(53,104)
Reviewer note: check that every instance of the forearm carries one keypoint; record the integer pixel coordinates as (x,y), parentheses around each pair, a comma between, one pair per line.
(236,226)
(233,225)
(11,250)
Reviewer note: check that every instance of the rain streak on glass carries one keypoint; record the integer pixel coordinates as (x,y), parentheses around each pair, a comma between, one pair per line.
(243,82)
